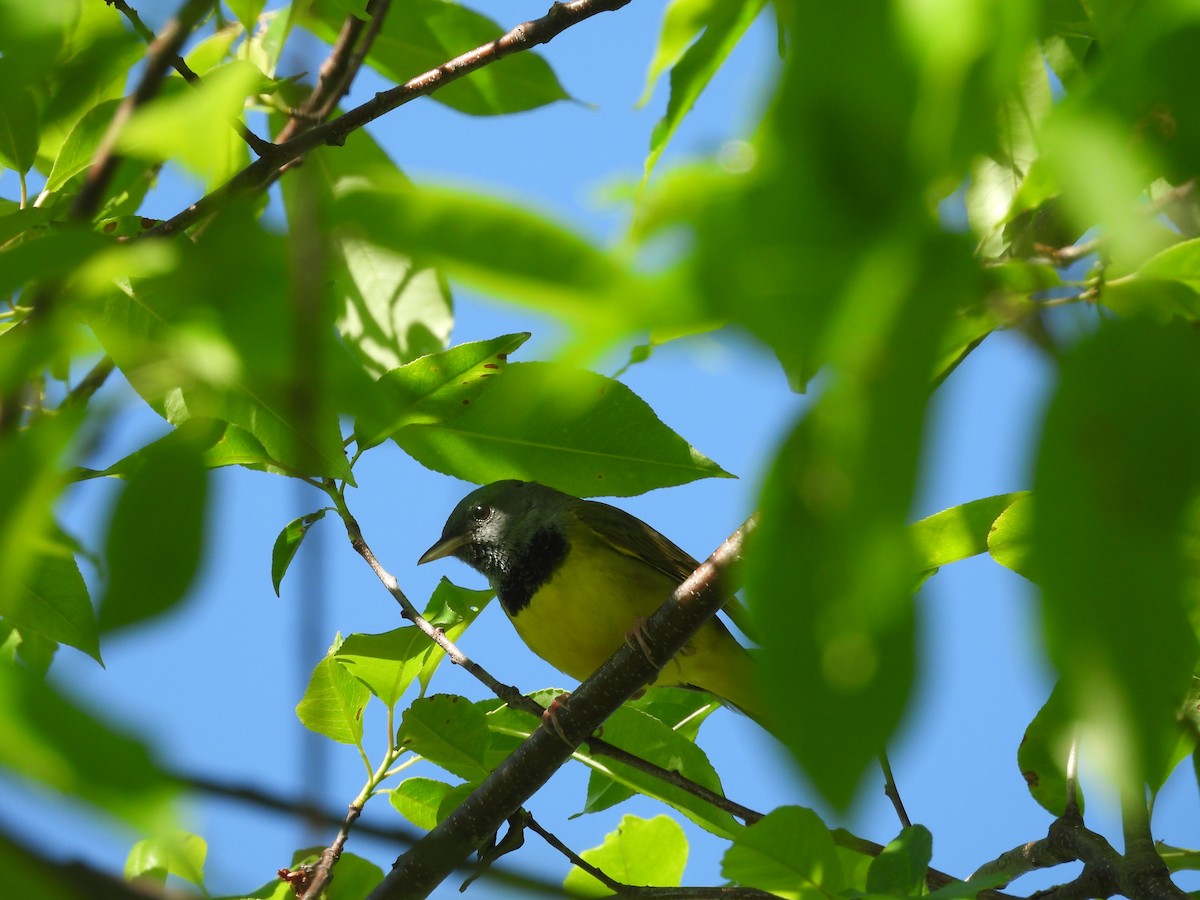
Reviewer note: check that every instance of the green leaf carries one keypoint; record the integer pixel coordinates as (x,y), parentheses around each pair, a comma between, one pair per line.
(435,388)
(192,125)
(568,428)
(453,609)
(247,11)
(958,532)
(507,250)
(386,663)
(288,542)
(334,700)
(1178,859)
(680,709)
(789,852)
(423,34)
(1115,483)
(156,534)
(449,731)
(18,119)
(899,871)
(682,21)
(46,738)
(54,603)
(80,146)
(724,25)
(612,782)
(1009,541)
(1042,754)
(623,857)
(419,799)
(175,853)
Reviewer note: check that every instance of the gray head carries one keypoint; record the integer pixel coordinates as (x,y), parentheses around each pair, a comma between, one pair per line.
(496,528)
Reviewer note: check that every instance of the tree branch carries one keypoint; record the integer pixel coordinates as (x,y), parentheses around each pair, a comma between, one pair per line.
(260,173)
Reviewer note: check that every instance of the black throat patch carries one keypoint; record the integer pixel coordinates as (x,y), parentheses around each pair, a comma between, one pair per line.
(519,581)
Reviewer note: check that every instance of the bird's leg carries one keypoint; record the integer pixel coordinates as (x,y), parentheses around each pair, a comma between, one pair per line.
(636,637)
(550,717)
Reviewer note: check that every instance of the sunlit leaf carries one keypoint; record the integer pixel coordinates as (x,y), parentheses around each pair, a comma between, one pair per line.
(789,852)
(333,701)
(1043,753)
(623,857)
(899,871)
(418,800)
(449,731)
(175,853)
(958,532)
(386,663)
(288,542)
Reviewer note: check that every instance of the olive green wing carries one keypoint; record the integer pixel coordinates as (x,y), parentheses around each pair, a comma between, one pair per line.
(630,536)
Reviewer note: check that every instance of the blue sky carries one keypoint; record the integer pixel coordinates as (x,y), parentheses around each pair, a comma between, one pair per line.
(216,681)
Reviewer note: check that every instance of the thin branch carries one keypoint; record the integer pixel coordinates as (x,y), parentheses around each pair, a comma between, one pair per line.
(90,383)
(255,143)
(338,71)
(159,54)
(893,792)
(629,890)
(260,173)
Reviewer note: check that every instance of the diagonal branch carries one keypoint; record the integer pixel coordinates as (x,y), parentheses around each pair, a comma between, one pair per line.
(261,172)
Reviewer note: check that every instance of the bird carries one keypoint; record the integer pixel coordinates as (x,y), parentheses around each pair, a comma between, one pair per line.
(577,577)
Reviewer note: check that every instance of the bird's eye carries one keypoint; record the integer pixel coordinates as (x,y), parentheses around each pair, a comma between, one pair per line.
(480,511)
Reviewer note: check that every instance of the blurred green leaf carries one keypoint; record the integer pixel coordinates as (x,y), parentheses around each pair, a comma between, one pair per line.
(55,603)
(386,663)
(899,871)
(418,800)
(48,739)
(156,534)
(18,119)
(420,35)
(1043,753)
(80,146)
(789,852)
(191,125)
(623,857)
(958,532)
(247,11)
(174,853)
(288,542)
(1114,481)
(449,731)
(436,388)
(569,428)
(333,702)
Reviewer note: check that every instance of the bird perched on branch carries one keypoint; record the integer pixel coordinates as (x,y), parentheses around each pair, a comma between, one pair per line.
(577,577)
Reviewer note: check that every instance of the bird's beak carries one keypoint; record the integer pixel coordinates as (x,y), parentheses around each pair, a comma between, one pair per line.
(443,548)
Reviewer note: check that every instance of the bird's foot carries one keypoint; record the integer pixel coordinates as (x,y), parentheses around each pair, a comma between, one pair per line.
(550,718)
(636,637)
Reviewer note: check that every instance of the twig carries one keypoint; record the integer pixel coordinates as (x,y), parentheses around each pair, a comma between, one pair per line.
(260,173)
(159,54)
(90,383)
(629,890)
(257,144)
(337,72)
(893,792)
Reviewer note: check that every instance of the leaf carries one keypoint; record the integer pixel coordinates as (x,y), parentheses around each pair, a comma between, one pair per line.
(1042,754)
(453,609)
(789,852)
(1009,541)
(191,125)
(156,534)
(899,871)
(419,799)
(958,532)
(18,119)
(612,782)
(288,542)
(175,853)
(81,144)
(449,731)
(724,26)
(423,34)
(435,388)
(48,739)
(333,702)
(623,857)
(568,428)
(54,603)
(386,663)
(1115,482)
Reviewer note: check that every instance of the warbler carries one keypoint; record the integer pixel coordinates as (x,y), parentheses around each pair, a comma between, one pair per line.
(576,577)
